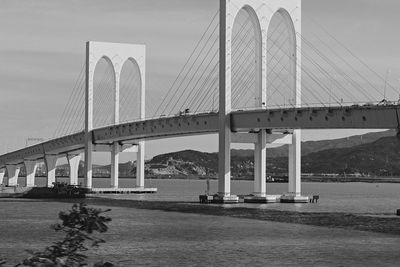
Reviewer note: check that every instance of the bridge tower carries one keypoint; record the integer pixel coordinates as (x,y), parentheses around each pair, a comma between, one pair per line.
(261,13)
(116,55)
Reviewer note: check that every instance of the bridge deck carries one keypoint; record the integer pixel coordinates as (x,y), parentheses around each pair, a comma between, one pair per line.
(354,117)
(136,190)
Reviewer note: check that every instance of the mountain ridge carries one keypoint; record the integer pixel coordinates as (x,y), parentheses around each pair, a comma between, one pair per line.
(368,154)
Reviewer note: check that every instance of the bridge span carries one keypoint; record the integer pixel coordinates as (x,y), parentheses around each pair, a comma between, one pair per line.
(243,121)
(257,126)
(278,123)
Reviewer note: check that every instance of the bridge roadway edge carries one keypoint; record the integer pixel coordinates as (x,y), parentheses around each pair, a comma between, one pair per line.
(353,117)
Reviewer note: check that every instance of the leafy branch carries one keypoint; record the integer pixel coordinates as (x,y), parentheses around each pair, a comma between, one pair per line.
(79,225)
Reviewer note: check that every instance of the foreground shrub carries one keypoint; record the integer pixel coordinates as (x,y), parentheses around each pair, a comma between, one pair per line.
(79,225)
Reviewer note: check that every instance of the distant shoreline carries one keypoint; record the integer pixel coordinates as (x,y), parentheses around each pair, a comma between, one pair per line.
(351,179)
(306,179)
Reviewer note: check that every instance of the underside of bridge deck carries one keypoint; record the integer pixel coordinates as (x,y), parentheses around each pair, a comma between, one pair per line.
(61,145)
(354,117)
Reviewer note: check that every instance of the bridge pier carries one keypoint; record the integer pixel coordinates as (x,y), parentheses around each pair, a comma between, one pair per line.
(294,175)
(30,168)
(261,140)
(294,178)
(13,172)
(73,162)
(140,165)
(88,161)
(2,173)
(260,165)
(260,148)
(115,148)
(224,133)
(51,164)
(224,166)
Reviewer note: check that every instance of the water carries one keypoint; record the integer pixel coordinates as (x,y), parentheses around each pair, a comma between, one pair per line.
(360,198)
(157,238)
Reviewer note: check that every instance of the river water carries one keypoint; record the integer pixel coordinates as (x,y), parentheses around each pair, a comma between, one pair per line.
(365,198)
(156,238)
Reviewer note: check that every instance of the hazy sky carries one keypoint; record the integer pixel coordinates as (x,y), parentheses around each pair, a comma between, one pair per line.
(42,45)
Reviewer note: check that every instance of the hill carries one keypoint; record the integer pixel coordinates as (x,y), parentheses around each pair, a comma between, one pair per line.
(315,146)
(372,153)
(369,154)
(381,158)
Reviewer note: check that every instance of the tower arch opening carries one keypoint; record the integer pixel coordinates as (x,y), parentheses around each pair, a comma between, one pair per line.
(103,93)
(246,56)
(281,61)
(129,91)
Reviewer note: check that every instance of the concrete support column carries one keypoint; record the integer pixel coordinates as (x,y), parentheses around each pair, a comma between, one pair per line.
(260,164)
(140,165)
(225,104)
(2,173)
(51,163)
(114,164)
(13,172)
(224,136)
(30,167)
(88,161)
(224,159)
(73,162)
(295,164)
(89,72)
(115,148)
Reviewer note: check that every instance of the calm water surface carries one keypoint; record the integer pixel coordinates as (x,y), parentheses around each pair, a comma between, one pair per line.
(364,198)
(156,238)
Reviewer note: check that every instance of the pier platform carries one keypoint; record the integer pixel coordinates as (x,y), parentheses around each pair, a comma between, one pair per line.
(294,199)
(136,190)
(262,199)
(231,199)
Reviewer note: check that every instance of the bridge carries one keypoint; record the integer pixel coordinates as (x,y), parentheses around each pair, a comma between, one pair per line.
(240,64)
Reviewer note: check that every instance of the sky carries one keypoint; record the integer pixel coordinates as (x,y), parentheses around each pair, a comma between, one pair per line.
(42,46)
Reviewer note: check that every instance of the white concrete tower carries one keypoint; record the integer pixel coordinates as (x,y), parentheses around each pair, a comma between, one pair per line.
(260,13)
(116,55)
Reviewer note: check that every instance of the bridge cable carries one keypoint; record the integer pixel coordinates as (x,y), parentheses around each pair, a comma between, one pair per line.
(353,55)
(187,62)
(63,115)
(200,100)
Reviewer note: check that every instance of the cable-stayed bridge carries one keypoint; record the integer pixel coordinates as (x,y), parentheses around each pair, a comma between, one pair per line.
(252,78)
